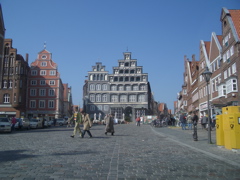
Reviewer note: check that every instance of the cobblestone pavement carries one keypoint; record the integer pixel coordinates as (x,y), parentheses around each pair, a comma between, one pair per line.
(132,153)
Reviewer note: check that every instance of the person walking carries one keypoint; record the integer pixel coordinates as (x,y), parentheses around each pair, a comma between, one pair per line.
(183,121)
(109,124)
(138,121)
(195,122)
(189,121)
(79,121)
(204,121)
(14,121)
(87,124)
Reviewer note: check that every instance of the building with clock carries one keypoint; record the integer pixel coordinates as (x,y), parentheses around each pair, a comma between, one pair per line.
(126,92)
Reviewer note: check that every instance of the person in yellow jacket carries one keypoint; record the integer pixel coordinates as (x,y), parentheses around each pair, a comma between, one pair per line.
(87,124)
(77,125)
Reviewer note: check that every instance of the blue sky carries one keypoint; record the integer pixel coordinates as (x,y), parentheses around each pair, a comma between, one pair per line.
(80,33)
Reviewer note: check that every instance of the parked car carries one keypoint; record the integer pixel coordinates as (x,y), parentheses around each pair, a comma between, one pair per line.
(61,122)
(22,123)
(36,123)
(5,125)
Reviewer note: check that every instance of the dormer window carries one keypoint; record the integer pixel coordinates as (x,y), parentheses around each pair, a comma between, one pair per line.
(44,56)
(44,64)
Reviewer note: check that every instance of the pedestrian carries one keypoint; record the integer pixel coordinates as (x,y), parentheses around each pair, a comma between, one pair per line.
(138,121)
(189,121)
(195,122)
(77,125)
(183,121)
(109,124)
(87,124)
(54,121)
(14,121)
(204,121)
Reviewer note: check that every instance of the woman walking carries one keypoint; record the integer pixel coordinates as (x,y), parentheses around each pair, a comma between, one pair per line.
(87,124)
(109,124)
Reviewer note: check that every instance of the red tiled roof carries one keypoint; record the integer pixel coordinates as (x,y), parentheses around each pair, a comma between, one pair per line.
(235,14)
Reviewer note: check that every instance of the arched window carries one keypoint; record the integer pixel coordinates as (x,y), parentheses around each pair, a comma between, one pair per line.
(114,98)
(92,98)
(6,98)
(92,87)
(123,98)
(104,87)
(141,98)
(104,98)
(98,98)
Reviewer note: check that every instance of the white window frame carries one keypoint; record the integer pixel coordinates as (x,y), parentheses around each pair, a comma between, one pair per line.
(92,97)
(114,98)
(123,98)
(141,98)
(10,83)
(41,104)
(92,87)
(32,104)
(98,98)
(33,92)
(5,84)
(132,98)
(52,73)
(234,69)
(51,82)
(104,87)
(6,98)
(33,72)
(44,64)
(104,98)
(51,92)
(50,103)
(42,92)
(43,72)
(113,88)
(98,87)
(128,88)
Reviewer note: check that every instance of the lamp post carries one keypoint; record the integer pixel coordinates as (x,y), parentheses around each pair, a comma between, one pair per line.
(207,75)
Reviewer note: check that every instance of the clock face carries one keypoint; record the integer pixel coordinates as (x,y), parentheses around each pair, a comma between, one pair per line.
(44,56)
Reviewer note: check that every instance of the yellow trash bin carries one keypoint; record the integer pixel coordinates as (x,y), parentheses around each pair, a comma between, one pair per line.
(230,109)
(234,125)
(226,129)
(219,130)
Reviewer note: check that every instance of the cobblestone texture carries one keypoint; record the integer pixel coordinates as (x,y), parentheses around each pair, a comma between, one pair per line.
(132,153)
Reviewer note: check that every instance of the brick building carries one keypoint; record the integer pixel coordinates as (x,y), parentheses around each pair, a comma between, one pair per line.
(45,88)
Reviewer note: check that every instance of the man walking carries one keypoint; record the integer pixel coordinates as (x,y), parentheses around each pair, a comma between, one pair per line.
(195,122)
(183,121)
(77,125)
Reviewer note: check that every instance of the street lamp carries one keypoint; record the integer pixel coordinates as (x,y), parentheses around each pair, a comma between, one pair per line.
(207,75)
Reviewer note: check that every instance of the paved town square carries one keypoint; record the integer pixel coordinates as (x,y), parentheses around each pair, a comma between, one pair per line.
(133,152)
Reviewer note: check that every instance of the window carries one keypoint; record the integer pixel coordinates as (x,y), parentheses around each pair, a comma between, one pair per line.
(92,87)
(42,92)
(142,87)
(128,88)
(50,103)
(5,84)
(135,87)
(234,68)
(92,98)
(114,98)
(51,82)
(126,78)
(120,88)
(231,85)
(51,92)
(225,74)
(33,82)
(42,82)
(104,98)
(115,79)
(104,86)
(6,98)
(123,98)
(41,103)
(92,108)
(113,87)
(132,98)
(52,73)
(99,107)
(137,78)
(43,72)
(32,103)
(44,64)
(33,92)
(10,83)
(131,78)
(98,98)
(222,90)
(141,98)
(121,79)
(229,71)
(105,107)
(33,72)
(231,50)
(98,87)
(224,57)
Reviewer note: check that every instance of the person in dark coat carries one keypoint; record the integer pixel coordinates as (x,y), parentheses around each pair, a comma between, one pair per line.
(183,121)
(109,124)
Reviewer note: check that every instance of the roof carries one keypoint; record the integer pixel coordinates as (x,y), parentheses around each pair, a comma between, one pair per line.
(235,14)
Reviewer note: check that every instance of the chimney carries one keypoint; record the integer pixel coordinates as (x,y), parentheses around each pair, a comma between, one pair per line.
(27,57)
